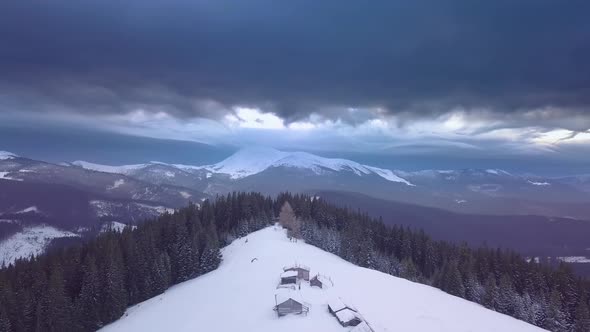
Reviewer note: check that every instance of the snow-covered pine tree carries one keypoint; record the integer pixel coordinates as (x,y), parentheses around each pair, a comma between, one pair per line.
(490,298)
(114,294)
(582,316)
(211,255)
(506,296)
(88,303)
(556,320)
(181,255)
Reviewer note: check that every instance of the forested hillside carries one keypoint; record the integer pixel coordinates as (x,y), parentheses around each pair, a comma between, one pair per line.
(83,288)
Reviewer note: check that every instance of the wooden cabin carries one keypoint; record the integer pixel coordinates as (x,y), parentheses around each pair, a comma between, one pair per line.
(302,271)
(289,277)
(289,303)
(321,281)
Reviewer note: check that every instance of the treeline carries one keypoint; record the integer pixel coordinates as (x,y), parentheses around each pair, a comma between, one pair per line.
(83,288)
(551,298)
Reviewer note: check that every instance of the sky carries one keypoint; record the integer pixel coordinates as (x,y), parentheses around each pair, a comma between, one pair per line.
(409,84)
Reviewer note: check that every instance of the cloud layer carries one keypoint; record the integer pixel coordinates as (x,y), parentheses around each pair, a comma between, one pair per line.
(350,74)
(199,57)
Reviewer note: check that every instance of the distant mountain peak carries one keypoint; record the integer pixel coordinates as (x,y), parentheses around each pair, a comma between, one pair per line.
(250,161)
(253,160)
(4,155)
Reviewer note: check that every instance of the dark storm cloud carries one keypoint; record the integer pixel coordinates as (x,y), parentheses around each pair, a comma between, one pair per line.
(195,58)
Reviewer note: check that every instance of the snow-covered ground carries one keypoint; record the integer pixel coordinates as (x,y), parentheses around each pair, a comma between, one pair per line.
(4,176)
(31,241)
(240,295)
(114,226)
(574,259)
(125,169)
(535,183)
(116,184)
(30,209)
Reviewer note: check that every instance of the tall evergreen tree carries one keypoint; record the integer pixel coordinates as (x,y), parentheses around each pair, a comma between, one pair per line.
(582,318)
(88,303)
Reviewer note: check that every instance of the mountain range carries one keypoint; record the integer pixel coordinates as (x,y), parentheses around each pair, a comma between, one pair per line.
(82,197)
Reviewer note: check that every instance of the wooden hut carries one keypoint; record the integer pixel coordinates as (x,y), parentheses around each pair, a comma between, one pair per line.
(321,281)
(302,271)
(289,277)
(289,303)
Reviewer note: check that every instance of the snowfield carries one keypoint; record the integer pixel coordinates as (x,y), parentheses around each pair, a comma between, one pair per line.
(31,241)
(240,296)
(125,169)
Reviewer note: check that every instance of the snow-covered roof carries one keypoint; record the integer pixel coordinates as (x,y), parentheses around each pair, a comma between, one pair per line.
(288,274)
(362,327)
(346,315)
(284,294)
(296,267)
(336,304)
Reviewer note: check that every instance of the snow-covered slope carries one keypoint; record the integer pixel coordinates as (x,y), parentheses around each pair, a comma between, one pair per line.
(31,241)
(240,295)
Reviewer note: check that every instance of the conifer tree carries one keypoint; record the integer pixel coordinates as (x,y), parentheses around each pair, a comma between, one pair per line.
(88,303)
(491,293)
(582,317)
(556,320)
(58,309)
(5,325)
(113,291)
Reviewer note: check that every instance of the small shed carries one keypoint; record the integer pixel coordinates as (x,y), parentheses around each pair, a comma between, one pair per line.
(362,327)
(302,271)
(289,277)
(289,303)
(321,281)
(347,317)
(335,304)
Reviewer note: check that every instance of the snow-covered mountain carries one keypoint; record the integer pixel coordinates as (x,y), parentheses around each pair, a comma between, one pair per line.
(247,162)
(487,191)
(251,161)
(240,296)
(42,202)
(5,155)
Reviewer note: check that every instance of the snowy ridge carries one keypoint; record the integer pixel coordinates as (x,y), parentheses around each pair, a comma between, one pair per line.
(4,176)
(31,241)
(124,169)
(5,155)
(240,296)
